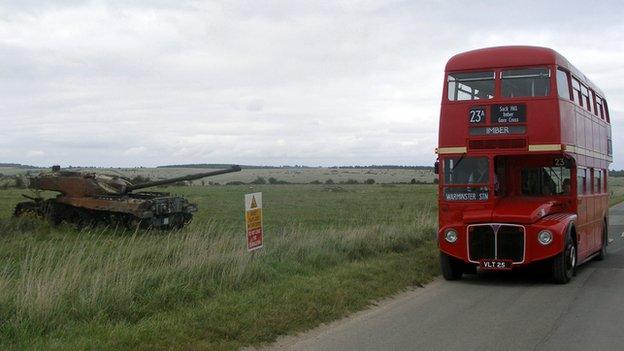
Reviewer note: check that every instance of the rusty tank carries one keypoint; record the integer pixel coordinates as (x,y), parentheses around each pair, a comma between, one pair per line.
(88,198)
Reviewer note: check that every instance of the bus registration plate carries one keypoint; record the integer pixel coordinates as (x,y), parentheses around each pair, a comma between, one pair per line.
(495,264)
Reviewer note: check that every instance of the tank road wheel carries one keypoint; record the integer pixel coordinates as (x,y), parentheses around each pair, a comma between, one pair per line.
(27,207)
(55,212)
(452,268)
(605,239)
(564,265)
(132,223)
(84,218)
(181,219)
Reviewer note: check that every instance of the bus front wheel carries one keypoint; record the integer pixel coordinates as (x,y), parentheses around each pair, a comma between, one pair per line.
(452,268)
(564,264)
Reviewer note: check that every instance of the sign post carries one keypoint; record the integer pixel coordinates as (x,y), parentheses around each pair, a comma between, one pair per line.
(253,221)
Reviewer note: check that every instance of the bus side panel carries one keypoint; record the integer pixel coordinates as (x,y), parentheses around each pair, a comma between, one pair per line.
(599,219)
(580,128)
(568,122)
(547,130)
(603,140)
(583,231)
(455,115)
(591,229)
(588,134)
(596,135)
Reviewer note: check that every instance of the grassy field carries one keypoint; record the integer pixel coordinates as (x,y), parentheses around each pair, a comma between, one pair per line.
(329,251)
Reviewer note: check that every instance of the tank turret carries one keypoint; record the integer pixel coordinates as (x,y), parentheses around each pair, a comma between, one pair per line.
(77,184)
(88,198)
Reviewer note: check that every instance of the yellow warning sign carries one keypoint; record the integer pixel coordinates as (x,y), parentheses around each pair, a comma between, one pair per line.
(254,218)
(253,221)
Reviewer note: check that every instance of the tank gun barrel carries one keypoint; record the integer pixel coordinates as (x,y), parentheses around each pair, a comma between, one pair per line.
(180,179)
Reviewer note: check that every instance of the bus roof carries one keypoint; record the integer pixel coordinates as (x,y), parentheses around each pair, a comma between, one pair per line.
(513,56)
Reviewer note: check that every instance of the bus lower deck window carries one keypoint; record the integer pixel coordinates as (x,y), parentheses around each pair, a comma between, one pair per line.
(581,180)
(466,170)
(597,181)
(546,181)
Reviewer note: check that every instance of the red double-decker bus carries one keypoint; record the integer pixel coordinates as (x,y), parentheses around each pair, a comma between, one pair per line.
(524,148)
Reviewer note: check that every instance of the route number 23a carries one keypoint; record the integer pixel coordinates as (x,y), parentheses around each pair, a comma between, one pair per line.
(476,115)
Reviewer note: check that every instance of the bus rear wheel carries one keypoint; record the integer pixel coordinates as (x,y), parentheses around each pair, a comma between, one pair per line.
(452,268)
(564,264)
(603,249)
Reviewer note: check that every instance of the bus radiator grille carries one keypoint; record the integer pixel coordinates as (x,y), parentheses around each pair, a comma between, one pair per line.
(481,242)
(496,241)
(510,243)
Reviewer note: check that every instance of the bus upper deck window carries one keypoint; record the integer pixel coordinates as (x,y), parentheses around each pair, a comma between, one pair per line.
(562,84)
(585,97)
(599,109)
(528,82)
(470,86)
(576,89)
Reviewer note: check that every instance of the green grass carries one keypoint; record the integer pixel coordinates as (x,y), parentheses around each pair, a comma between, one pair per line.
(616,188)
(329,251)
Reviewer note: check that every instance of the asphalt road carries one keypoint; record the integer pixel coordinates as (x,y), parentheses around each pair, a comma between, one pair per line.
(492,311)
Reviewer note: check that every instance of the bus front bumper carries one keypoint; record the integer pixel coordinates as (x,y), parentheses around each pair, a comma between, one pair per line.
(501,245)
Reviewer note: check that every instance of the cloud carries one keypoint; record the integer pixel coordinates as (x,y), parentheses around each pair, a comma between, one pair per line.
(134,151)
(118,83)
(35,153)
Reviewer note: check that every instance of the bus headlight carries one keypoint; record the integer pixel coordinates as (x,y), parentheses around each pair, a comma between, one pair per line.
(545,237)
(450,235)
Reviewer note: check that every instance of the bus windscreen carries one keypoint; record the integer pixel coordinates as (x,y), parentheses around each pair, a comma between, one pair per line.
(466,178)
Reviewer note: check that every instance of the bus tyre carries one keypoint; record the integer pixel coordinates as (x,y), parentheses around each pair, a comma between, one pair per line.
(603,249)
(564,265)
(470,269)
(452,268)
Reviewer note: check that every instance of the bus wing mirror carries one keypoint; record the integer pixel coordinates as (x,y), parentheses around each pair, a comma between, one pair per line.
(436,167)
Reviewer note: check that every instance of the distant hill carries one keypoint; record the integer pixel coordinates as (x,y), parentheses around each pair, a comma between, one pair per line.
(220,166)
(425,168)
(619,173)
(17,165)
(212,165)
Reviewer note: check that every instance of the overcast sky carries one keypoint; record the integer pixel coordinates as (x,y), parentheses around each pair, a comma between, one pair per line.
(123,83)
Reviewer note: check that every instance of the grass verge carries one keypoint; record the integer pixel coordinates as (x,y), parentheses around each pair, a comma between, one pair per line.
(255,316)
(198,288)
(616,188)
